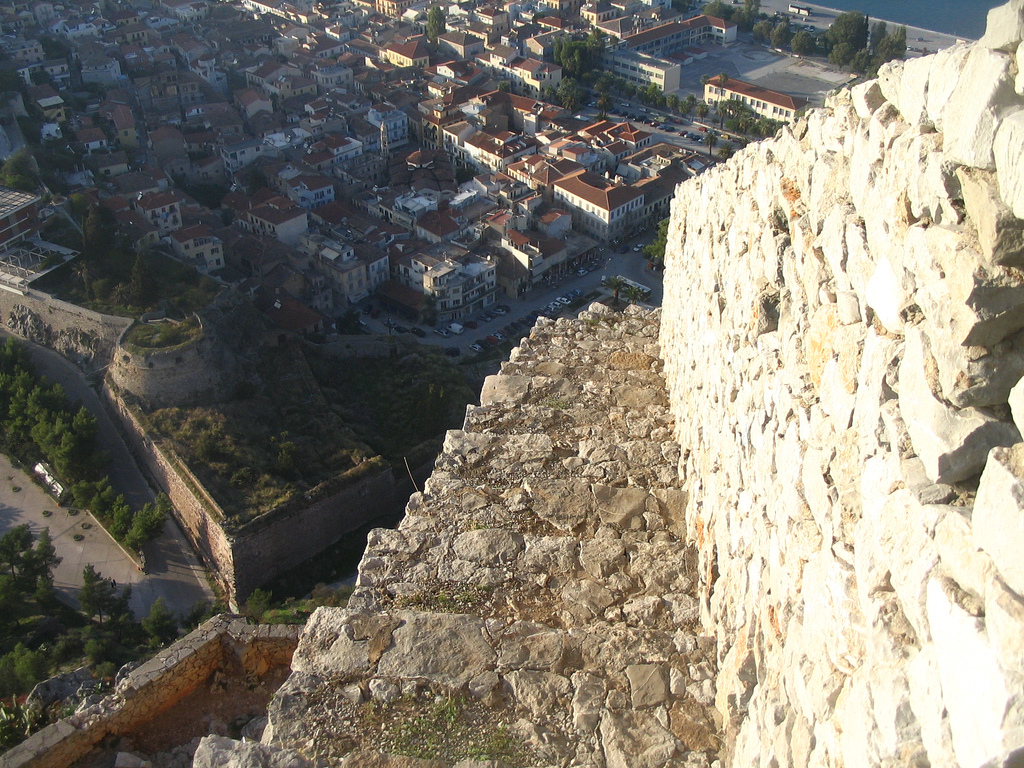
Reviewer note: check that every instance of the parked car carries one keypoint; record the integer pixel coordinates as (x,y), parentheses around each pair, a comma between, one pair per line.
(401,329)
(502,309)
(576,293)
(493,340)
(390,323)
(418,332)
(471,324)
(452,351)
(476,347)
(581,271)
(499,335)
(442,332)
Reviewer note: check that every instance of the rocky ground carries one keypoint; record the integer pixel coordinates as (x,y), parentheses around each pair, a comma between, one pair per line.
(537,604)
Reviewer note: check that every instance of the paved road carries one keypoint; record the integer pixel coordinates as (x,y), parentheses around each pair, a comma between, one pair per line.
(173,571)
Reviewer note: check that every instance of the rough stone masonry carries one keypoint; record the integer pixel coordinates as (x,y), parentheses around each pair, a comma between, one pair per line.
(810,553)
(842,336)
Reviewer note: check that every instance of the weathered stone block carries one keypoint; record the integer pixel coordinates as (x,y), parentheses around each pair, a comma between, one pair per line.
(999,513)
(983,704)
(448,649)
(1004,28)
(982,96)
(953,444)
(1000,232)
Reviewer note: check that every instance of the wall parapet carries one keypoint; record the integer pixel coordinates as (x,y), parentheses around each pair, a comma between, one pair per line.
(155,686)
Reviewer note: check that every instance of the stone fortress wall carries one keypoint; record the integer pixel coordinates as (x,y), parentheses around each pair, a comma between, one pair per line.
(200,370)
(143,693)
(243,557)
(842,336)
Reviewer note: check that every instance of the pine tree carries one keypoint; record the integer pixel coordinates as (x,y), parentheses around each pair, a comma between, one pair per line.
(96,597)
(160,625)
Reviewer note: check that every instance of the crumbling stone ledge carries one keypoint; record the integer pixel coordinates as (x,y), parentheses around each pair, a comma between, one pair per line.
(156,686)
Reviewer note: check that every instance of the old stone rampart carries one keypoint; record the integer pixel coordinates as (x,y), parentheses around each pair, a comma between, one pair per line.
(842,337)
(538,583)
(199,371)
(157,685)
(84,337)
(242,557)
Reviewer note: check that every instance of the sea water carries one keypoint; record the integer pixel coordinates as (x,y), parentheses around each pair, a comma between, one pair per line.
(964,18)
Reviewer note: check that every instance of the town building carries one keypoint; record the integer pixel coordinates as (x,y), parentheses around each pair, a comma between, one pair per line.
(600,208)
(764,102)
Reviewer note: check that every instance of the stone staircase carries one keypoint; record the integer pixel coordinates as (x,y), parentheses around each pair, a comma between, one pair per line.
(537,604)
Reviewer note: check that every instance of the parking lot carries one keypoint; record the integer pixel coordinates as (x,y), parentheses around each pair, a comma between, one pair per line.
(513,318)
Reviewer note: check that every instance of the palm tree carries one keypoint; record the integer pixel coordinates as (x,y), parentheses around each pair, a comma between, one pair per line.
(725,152)
(710,138)
(702,110)
(723,78)
(604,103)
(635,294)
(615,284)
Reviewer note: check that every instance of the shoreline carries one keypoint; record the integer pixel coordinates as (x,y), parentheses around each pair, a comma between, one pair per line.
(920,41)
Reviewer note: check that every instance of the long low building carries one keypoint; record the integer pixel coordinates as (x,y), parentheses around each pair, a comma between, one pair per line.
(765,102)
(642,70)
(674,36)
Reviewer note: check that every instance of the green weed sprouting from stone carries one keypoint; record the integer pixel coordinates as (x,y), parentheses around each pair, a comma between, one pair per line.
(450,728)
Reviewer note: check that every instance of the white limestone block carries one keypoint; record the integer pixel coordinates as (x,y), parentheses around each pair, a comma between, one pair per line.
(999,513)
(1020,69)
(1009,163)
(1004,617)
(953,444)
(1005,27)
(977,694)
(926,700)
(892,545)
(888,293)
(972,115)
(943,79)
(958,550)
(1000,232)
(890,81)
(867,97)
(913,90)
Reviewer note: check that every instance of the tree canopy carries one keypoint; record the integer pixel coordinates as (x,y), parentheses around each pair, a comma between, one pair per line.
(850,28)
(436,23)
